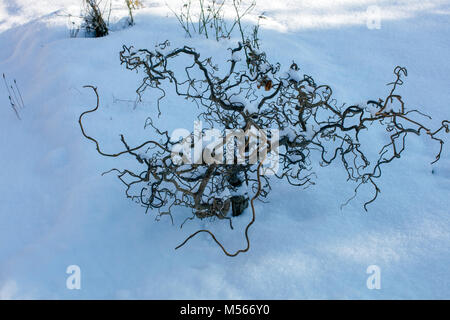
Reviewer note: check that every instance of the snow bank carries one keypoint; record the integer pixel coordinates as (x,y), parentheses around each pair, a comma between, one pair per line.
(57,210)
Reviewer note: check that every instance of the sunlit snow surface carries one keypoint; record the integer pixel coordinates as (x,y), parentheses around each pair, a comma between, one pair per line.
(57,210)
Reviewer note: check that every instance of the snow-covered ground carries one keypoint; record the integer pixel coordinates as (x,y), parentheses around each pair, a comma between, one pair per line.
(57,210)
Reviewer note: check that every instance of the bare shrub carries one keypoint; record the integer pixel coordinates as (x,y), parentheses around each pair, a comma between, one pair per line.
(207,18)
(94,23)
(254,96)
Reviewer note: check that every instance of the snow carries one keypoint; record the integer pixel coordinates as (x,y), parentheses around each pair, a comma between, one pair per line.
(235,56)
(58,210)
(251,107)
(310,131)
(290,133)
(294,75)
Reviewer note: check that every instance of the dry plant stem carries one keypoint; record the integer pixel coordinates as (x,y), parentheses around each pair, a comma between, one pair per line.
(130,6)
(15,99)
(211,16)
(121,136)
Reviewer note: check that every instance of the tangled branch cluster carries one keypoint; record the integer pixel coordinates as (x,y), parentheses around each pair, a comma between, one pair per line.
(253,95)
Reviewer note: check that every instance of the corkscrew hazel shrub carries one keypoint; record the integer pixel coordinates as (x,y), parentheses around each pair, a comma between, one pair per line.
(285,116)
